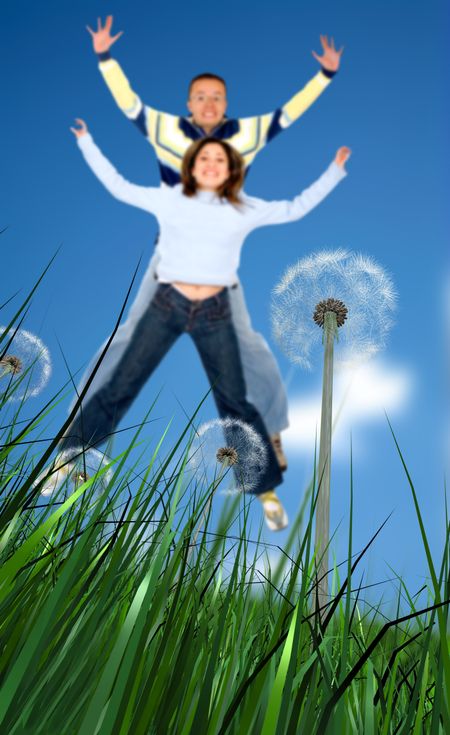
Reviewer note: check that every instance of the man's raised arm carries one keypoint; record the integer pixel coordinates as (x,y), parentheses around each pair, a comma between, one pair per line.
(273,123)
(119,86)
(329,61)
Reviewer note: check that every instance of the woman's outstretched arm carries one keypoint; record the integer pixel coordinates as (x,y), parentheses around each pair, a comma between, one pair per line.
(272,213)
(143,197)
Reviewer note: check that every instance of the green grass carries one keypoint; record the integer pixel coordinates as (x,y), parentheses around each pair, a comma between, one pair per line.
(113,621)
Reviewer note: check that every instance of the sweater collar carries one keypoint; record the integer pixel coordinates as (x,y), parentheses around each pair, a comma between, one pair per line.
(225,129)
(207,197)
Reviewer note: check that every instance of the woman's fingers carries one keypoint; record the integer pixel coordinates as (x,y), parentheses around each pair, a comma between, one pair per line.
(343,155)
(81,130)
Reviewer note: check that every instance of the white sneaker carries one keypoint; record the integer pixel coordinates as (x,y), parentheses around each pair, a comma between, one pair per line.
(275,515)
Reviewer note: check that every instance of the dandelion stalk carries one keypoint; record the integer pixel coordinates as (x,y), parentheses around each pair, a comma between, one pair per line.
(227,457)
(330,315)
(210,458)
(316,284)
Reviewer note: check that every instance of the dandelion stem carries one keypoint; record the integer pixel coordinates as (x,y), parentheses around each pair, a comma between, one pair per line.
(323,503)
(226,457)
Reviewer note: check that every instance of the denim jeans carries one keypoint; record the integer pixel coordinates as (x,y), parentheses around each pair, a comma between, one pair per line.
(264,383)
(166,318)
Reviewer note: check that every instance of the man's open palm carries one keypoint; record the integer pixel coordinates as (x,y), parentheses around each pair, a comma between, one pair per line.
(101,38)
(330,58)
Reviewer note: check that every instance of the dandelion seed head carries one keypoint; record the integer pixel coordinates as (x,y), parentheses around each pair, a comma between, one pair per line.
(78,477)
(86,463)
(29,354)
(352,278)
(333,305)
(11,364)
(242,444)
(227,455)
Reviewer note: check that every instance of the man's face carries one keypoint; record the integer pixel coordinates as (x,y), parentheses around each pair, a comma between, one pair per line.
(207,103)
(211,169)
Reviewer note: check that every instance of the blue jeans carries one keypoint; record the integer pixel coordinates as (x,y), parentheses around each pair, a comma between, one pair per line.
(166,318)
(265,388)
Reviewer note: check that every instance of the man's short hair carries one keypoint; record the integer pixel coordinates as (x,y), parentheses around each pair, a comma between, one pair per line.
(206,75)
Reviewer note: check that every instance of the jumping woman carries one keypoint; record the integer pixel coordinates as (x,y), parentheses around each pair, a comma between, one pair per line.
(203,223)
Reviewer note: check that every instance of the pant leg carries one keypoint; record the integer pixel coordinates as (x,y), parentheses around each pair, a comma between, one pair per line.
(123,336)
(265,387)
(215,338)
(154,334)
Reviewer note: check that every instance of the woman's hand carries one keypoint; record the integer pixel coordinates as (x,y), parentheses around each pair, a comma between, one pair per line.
(342,156)
(81,130)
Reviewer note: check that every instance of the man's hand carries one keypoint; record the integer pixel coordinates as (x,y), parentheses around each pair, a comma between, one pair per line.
(342,156)
(101,38)
(331,58)
(82,130)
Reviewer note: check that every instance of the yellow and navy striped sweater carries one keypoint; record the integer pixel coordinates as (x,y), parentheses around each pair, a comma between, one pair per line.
(171,135)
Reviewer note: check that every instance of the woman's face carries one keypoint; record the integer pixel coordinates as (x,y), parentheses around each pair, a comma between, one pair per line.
(210,168)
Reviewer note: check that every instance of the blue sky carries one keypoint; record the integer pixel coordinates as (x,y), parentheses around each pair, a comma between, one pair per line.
(388,103)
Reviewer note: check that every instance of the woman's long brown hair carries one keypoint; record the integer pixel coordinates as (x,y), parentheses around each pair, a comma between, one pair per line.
(231,187)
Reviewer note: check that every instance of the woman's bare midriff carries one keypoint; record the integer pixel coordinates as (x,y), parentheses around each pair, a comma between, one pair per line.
(195,292)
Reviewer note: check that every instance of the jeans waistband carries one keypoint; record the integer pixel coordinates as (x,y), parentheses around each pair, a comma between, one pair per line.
(167,291)
(155,276)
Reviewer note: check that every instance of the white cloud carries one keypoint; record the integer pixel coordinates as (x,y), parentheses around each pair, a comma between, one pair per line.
(360,396)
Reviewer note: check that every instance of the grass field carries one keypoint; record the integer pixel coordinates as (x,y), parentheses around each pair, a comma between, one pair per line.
(123,611)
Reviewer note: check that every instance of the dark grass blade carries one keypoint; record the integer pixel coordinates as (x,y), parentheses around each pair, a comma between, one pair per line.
(323,722)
